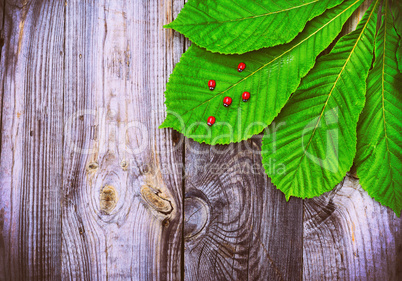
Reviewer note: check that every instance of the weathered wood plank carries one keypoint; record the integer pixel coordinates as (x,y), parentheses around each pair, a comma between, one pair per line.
(31,79)
(348,235)
(122,215)
(2,7)
(238,226)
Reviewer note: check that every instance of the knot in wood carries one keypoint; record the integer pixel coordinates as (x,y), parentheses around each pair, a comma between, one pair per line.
(124,165)
(93,166)
(195,216)
(158,203)
(108,199)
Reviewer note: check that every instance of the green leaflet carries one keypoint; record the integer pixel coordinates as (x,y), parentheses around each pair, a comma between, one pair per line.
(314,137)
(237,27)
(379,144)
(271,76)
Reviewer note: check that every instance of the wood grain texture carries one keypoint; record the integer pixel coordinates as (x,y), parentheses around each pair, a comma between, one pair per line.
(90,189)
(2,7)
(238,226)
(349,236)
(122,212)
(2,19)
(31,77)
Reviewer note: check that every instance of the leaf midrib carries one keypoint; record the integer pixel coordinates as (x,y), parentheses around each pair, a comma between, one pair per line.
(265,65)
(333,87)
(383,90)
(246,18)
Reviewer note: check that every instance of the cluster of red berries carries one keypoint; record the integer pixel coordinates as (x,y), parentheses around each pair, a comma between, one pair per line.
(227,100)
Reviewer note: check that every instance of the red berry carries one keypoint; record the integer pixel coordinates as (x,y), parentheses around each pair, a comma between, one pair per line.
(211,84)
(227,101)
(211,120)
(246,96)
(241,67)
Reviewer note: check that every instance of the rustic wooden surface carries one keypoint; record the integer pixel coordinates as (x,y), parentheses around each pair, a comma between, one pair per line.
(122,218)
(90,189)
(32,141)
(251,232)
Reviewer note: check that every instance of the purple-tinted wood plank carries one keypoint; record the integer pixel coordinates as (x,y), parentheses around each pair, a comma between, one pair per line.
(31,79)
(122,208)
(237,225)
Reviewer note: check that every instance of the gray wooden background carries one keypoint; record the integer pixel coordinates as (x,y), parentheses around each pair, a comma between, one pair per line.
(91,189)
